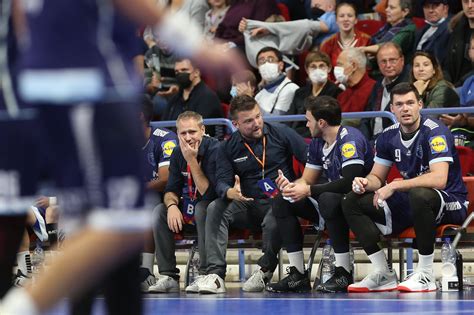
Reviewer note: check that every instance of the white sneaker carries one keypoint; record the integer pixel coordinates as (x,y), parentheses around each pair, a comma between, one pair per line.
(20,280)
(419,281)
(164,284)
(257,281)
(148,281)
(194,286)
(376,281)
(212,284)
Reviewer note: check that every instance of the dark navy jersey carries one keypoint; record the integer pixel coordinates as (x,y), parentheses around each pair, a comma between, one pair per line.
(433,143)
(158,151)
(350,147)
(82,48)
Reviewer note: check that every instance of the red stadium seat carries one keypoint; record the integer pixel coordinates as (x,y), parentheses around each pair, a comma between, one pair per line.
(466,158)
(369,27)
(419,22)
(284,11)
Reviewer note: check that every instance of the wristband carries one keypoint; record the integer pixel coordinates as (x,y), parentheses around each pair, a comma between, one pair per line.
(52,201)
(171,204)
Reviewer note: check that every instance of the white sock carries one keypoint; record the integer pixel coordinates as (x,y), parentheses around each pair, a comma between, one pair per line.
(24,262)
(343,260)
(425,262)
(379,261)
(147,261)
(297,260)
(18,301)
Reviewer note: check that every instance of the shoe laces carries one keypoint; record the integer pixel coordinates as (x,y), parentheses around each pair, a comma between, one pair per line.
(421,276)
(257,276)
(377,275)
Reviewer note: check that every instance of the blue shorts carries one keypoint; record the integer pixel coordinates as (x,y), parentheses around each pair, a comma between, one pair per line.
(19,163)
(399,215)
(95,159)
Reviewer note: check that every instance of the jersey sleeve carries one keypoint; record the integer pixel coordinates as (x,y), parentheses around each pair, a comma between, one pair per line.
(314,160)
(164,151)
(352,149)
(382,150)
(440,146)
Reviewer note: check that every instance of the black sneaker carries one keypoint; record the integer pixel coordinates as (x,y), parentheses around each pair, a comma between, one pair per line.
(338,282)
(294,282)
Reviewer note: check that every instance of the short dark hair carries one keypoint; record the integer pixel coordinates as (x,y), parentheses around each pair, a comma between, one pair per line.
(147,109)
(313,56)
(324,107)
(241,103)
(268,48)
(402,89)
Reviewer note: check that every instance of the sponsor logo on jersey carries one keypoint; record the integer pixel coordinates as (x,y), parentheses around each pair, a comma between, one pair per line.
(348,150)
(438,144)
(160,132)
(168,147)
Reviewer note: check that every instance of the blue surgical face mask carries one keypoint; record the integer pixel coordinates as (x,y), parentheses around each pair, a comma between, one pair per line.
(233,91)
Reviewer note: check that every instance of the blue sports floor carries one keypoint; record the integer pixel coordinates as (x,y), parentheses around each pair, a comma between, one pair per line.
(237,302)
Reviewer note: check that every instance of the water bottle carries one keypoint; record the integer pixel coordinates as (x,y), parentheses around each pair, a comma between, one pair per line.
(448,254)
(194,267)
(449,280)
(37,258)
(328,263)
(155,61)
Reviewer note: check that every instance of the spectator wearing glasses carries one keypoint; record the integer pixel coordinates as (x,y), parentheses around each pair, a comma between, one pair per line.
(391,63)
(278,91)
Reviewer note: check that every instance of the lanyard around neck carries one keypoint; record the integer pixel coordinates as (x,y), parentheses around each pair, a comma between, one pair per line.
(190,185)
(260,161)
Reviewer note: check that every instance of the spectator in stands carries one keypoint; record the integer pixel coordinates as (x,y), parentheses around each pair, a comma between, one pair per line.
(391,63)
(427,77)
(247,166)
(457,63)
(277,90)
(228,29)
(352,74)
(193,95)
(399,29)
(462,125)
(433,38)
(189,191)
(431,193)
(318,67)
(348,36)
(159,145)
(328,20)
(243,83)
(214,16)
(341,153)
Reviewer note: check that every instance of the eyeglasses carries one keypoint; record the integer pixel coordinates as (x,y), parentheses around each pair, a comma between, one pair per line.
(391,61)
(263,60)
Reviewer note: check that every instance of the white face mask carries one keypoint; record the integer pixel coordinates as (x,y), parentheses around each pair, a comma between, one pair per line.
(269,71)
(339,75)
(318,76)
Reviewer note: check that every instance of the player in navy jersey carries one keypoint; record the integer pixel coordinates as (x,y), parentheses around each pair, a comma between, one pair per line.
(18,169)
(431,193)
(76,69)
(159,145)
(340,153)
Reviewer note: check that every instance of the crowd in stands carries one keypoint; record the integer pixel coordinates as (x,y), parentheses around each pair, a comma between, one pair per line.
(319,63)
